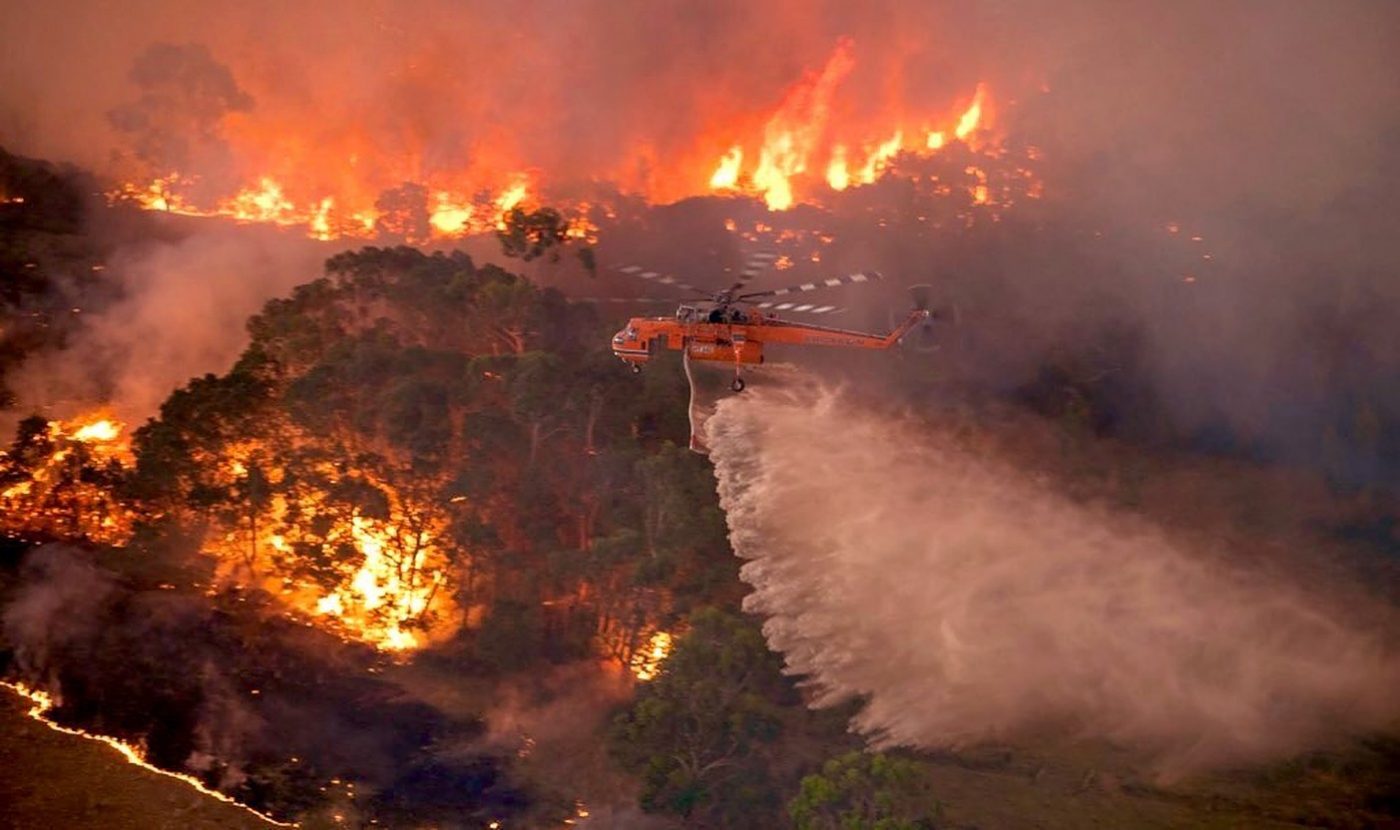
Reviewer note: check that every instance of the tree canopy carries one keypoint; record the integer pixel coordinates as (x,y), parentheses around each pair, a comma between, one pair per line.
(866,791)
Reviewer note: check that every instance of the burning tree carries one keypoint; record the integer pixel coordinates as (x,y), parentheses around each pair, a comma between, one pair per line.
(63,480)
(413,444)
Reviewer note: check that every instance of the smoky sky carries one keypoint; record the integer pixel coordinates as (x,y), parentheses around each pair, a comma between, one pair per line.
(1270,130)
(1246,91)
(601,86)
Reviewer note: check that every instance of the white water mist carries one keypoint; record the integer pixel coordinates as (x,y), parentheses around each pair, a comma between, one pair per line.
(970,603)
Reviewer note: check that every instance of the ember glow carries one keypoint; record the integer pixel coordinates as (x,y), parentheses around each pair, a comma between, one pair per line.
(646,663)
(41,703)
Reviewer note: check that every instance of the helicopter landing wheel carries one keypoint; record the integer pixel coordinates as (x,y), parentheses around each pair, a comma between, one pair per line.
(636,368)
(738,384)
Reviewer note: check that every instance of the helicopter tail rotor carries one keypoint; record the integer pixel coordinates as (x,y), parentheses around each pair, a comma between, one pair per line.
(921,294)
(927,336)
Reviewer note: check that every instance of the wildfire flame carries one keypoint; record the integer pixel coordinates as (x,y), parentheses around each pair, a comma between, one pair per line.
(104,431)
(386,588)
(800,132)
(377,599)
(646,663)
(808,144)
(42,703)
(970,119)
(389,592)
(450,214)
(52,485)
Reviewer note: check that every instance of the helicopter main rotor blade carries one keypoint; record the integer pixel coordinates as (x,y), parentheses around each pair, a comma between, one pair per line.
(803,308)
(659,278)
(830,282)
(667,300)
(756,264)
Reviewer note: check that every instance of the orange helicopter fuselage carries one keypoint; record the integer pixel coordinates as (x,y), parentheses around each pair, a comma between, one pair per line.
(738,337)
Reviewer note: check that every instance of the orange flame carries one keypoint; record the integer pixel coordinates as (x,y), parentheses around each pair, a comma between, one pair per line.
(801,131)
(726,175)
(836,173)
(56,495)
(377,600)
(646,663)
(879,158)
(450,216)
(391,592)
(103,431)
(791,136)
(972,117)
(809,144)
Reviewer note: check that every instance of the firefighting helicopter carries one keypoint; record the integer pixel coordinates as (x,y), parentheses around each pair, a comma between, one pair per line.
(731,325)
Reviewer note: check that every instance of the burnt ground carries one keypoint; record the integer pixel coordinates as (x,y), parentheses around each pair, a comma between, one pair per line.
(52,780)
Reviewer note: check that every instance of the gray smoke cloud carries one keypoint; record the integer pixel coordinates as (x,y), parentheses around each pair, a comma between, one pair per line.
(971,602)
(183,311)
(184,95)
(35,624)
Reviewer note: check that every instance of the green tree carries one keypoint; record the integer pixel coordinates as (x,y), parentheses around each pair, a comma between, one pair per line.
(693,733)
(486,429)
(533,234)
(866,791)
(403,213)
(530,235)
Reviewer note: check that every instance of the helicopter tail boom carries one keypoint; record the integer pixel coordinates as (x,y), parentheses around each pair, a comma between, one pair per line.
(915,317)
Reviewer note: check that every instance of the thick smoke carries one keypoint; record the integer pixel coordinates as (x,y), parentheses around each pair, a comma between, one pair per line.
(184,96)
(37,624)
(183,312)
(971,603)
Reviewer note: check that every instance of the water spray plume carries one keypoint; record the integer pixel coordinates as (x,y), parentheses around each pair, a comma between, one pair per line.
(971,604)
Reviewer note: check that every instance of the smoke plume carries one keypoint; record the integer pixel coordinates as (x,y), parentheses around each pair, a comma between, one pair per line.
(182,313)
(184,94)
(971,603)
